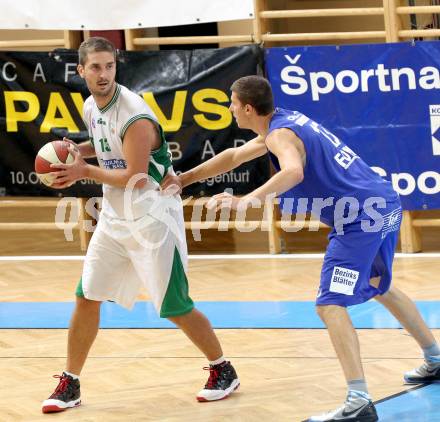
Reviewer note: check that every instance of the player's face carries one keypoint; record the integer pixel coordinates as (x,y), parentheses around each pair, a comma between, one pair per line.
(99,72)
(239,111)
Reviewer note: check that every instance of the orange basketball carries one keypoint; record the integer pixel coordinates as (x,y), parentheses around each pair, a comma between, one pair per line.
(52,153)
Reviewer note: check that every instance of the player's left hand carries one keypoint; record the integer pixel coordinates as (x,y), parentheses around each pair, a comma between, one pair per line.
(68,174)
(226,200)
(171,185)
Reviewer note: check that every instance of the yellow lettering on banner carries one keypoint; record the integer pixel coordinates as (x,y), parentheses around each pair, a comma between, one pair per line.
(78,101)
(57,104)
(173,124)
(13,116)
(200,104)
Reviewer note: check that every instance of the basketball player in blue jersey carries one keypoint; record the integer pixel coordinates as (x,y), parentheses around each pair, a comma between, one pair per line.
(362,209)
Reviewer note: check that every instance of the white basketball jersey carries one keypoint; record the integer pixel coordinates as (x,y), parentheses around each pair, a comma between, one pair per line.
(107,127)
(140,236)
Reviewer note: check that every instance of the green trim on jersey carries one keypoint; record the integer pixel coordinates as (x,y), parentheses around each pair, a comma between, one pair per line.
(176,301)
(79,289)
(159,157)
(112,101)
(132,120)
(154,172)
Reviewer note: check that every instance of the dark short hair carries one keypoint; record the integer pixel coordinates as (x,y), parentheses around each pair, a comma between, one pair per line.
(256,91)
(92,45)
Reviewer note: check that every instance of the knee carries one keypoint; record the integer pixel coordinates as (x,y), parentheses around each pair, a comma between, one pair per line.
(180,320)
(321,311)
(175,320)
(326,311)
(386,297)
(87,305)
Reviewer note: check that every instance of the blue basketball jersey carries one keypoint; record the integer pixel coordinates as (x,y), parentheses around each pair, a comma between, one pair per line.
(332,173)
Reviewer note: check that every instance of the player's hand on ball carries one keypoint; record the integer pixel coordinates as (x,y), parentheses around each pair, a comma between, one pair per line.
(74,145)
(67,174)
(55,152)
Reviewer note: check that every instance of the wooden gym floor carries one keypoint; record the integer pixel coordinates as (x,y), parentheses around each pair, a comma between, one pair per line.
(154,374)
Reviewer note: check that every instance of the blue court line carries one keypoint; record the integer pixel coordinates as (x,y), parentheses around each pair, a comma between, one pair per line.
(415,405)
(281,314)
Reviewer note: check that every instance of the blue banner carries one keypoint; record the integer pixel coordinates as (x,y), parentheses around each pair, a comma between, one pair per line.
(381,99)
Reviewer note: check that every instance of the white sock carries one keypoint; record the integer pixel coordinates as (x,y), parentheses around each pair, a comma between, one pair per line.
(75,377)
(358,385)
(221,359)
(432,354)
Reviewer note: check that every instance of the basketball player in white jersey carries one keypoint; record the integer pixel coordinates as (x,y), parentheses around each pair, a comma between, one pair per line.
(140,237)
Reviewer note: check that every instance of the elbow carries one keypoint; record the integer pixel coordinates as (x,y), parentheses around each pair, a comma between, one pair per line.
(300,175)
(296,175)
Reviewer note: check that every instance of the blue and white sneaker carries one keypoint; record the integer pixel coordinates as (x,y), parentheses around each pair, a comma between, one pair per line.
(358,407)
(428,372)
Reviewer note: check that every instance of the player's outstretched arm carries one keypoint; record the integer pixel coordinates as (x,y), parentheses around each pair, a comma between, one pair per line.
(289,150)
(225,161)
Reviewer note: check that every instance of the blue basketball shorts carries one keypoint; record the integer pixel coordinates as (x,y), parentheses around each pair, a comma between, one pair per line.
(356,256)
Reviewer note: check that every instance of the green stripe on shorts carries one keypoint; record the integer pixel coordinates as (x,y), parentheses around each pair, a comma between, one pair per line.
(176,301)
(79,289)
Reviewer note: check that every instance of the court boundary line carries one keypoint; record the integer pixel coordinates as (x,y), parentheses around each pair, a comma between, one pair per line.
(211,257)
(401,393)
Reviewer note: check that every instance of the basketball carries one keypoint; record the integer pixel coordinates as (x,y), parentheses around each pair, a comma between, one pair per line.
(52,153)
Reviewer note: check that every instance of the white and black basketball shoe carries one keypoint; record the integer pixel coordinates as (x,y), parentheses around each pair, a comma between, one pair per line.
(221,383)
(67,394)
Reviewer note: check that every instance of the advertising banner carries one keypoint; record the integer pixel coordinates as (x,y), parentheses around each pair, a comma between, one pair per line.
(189,91)
(381,99)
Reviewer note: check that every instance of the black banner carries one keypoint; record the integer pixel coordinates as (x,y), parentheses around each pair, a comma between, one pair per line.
(188,90)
